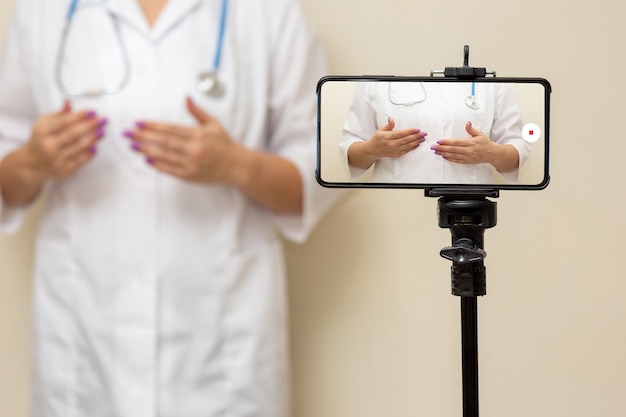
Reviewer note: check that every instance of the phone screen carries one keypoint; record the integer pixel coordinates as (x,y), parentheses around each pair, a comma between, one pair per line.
(433,132)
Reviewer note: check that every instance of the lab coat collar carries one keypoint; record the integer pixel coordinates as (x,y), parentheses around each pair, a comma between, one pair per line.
(173,12)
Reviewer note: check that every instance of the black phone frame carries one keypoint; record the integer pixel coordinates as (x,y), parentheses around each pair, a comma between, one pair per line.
(430,188)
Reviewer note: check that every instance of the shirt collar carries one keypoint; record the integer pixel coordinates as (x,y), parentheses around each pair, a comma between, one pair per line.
(131,13)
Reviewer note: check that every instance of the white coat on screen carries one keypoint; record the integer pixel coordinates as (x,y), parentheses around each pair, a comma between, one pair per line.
(440,110)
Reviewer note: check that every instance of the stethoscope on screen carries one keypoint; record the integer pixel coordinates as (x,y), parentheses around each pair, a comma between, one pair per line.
(209,81)
(470,101)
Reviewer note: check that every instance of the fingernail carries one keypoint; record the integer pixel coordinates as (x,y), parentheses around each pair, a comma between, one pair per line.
(103,121)
(91,114)
(433,148)
(140,125)
(129,134)
(150,161)
(422,139)
(135,146)
(416,131)
(439,142)
(100,133)
(93,150)
(437,153)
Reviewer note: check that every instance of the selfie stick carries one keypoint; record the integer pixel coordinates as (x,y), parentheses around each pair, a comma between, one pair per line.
(467,213)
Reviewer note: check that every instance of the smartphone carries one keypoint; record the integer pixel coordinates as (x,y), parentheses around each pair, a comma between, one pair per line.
(433,132)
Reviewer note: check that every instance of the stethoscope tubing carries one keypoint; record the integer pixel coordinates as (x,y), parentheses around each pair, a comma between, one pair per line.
(220,36)
(470,101)
(114,88)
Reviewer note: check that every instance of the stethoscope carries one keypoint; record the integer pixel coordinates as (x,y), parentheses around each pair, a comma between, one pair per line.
(470,101)
(208,83)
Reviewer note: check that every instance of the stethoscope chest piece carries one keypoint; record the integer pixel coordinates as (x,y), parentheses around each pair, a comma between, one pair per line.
(210,84)
(472,103)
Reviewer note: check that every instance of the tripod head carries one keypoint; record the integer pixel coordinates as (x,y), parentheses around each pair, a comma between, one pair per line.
(467,218)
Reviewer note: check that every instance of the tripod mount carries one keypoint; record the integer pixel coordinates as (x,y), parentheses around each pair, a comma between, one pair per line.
(467,219)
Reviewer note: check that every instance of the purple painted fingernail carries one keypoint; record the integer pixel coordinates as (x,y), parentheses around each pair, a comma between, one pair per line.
(416,131)
(93,150)
(433,148)
(140,125)
(91,114)
(100,133)
(102,121)
(135,146)
(437,153)
(129,134)
(150,161)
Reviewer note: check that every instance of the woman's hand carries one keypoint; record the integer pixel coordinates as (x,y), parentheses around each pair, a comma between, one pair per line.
(207,154)
(385,143)
(477,149)
(202,153)
(63,141)
(60,143)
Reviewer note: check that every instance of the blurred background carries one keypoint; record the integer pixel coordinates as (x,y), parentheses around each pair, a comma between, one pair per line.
(375,330)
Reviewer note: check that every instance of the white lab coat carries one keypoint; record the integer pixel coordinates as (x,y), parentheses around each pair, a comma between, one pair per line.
(153,296)
(438,109)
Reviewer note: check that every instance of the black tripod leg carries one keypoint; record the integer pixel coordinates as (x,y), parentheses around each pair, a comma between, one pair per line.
(469,336)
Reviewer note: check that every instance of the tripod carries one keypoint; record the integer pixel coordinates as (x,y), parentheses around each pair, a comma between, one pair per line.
(467,217)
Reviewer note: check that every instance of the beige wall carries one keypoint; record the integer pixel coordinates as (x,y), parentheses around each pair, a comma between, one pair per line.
(375,330)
